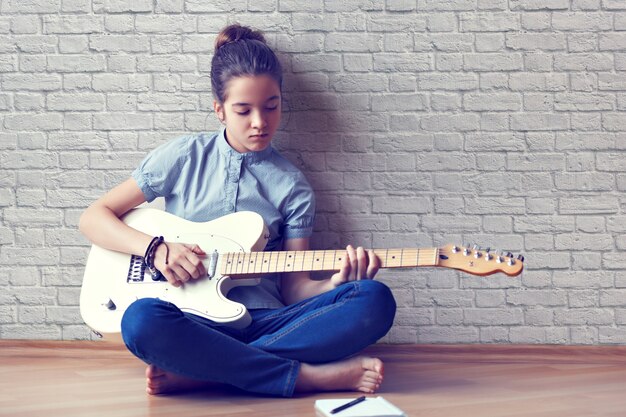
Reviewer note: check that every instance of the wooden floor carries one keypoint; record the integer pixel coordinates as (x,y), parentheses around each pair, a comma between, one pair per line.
(67,379)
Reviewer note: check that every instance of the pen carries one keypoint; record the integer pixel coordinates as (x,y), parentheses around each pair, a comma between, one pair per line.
(348,405)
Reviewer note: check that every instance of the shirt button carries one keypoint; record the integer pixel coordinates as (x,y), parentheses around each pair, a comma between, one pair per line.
(234,178)
(240,157)
(231,207)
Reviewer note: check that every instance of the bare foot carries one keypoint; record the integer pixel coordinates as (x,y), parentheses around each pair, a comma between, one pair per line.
(160,382)
(361,373)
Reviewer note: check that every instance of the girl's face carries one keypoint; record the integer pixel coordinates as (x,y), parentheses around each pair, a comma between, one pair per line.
(251,112)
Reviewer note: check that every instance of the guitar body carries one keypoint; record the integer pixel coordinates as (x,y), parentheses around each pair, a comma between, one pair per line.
(114,280)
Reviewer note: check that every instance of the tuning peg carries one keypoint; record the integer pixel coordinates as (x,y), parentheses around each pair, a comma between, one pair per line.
(455,249)
(499,254)
(488,249)
(488,256)
(520,257)
(466,251)
(509,254)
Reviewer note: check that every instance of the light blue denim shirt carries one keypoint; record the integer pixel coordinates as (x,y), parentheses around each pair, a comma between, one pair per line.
(201,178)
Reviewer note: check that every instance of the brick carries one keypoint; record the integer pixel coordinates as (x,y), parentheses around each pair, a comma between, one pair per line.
(448,123)
(167,63)
(454,82)
(401,205)
(76,63)
(396,23)
(456,223)
(72,24)
(493,316)
(354,5)
(583,62)
(536,41)
(441,22)
(583,279)
(492,62)
(539,121)
(31,331)
(30,7)
(121,6)
(539,4)
(352,43)
(582,22)
(588,181)
(73,44)
(166,24)
(75,102)
(450,5)
(538,82)
(488,22)
(31,82)
(117,43)
(588,205)
(400,5)
(584,241)
(492,102)
(611,82)
(34,121)
(583,316)
(402,63)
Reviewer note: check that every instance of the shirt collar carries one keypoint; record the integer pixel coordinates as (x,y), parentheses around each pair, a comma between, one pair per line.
(249,157)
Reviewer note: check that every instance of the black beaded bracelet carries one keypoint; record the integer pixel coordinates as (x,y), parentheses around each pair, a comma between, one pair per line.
(148,258)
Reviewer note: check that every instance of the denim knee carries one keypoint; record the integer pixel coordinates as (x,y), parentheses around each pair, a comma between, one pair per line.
(379,304)
(140,323)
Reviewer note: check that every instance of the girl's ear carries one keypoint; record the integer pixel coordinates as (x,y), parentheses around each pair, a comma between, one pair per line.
(219,110)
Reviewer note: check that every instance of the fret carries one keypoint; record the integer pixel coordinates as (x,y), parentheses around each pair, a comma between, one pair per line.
(263,262)
(254,263)
(290,262)
(239,269)
(303,254)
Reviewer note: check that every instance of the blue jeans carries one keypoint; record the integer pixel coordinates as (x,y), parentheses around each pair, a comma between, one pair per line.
(264,357)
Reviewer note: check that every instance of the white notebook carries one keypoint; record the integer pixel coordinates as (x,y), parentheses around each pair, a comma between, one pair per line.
(371,407)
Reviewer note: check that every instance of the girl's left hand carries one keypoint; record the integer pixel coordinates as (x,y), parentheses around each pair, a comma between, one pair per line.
(357,264)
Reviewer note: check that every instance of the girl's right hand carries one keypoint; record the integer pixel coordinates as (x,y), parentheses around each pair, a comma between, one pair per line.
(184,262)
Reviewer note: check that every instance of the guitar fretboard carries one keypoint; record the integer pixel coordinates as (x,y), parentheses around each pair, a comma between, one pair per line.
(243,263)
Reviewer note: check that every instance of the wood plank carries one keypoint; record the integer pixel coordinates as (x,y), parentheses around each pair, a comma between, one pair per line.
(78,378)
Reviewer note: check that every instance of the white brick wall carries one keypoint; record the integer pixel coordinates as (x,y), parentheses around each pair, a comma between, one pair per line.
(418,122)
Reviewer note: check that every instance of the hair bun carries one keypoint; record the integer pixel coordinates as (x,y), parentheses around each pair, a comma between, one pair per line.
(236,32)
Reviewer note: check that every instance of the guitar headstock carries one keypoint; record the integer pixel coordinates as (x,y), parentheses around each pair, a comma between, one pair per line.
(478,261)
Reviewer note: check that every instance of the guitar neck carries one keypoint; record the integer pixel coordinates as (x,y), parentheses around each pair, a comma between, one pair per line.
(255,263)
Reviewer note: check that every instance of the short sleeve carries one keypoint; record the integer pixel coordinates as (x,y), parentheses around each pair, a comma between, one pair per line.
(157,174)
(300,210)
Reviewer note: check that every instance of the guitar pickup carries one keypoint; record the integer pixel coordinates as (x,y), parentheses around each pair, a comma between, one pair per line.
(213,257)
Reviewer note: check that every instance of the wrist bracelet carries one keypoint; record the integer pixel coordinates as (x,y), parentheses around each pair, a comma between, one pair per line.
(148,258)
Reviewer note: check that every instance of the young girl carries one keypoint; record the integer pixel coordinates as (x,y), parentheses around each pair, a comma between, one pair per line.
(304,332)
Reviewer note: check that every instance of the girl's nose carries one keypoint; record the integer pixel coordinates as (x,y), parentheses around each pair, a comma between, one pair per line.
(258,120)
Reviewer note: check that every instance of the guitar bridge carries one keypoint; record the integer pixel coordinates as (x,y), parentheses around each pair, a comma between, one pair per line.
(136,269)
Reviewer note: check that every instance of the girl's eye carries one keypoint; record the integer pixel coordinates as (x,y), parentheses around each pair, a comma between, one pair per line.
(243,113)
(271,108)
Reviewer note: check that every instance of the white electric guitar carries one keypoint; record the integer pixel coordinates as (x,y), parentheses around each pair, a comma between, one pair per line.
(234,245)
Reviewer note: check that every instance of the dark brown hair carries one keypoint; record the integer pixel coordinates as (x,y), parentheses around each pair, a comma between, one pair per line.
(241,51)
